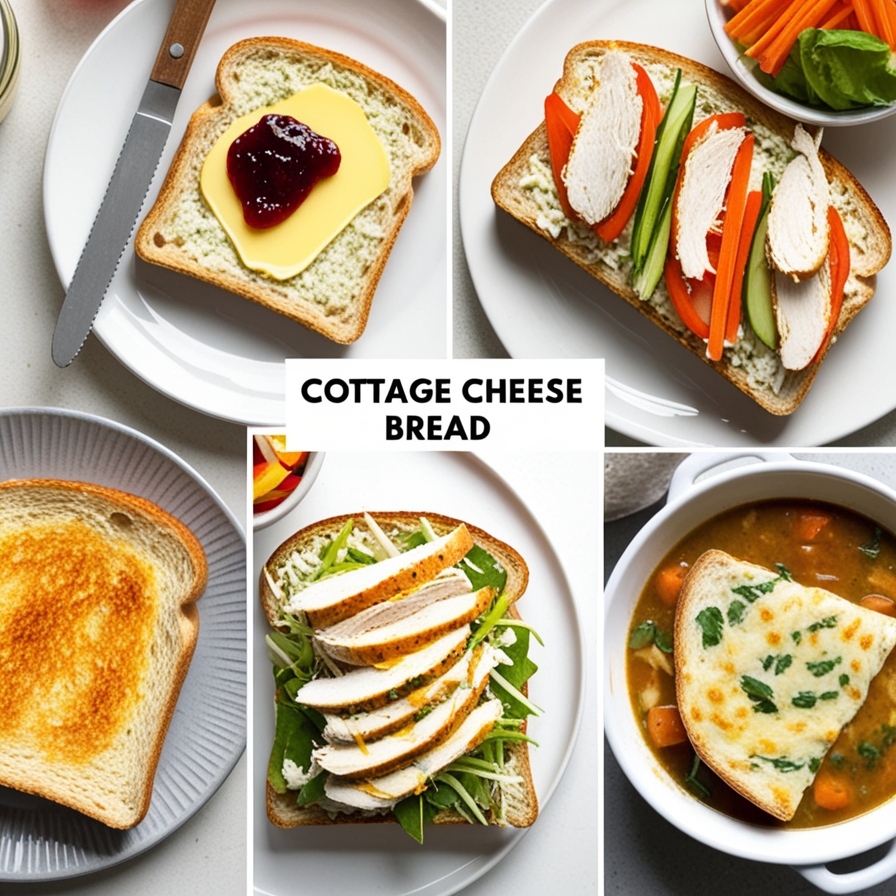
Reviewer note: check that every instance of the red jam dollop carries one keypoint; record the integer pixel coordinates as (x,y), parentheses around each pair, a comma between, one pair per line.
(274,166)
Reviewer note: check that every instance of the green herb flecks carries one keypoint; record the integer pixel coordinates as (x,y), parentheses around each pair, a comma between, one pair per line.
(844,680)
(711,623)
(827,622)
(822,667)
(872,549)
(692,781)
(781,763)
(752,593)
(805,700)
(736,610)
(760,693)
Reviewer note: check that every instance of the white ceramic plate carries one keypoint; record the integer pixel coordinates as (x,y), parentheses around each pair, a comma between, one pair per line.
(381,859)
(200,345)
(541,305)
(40,840)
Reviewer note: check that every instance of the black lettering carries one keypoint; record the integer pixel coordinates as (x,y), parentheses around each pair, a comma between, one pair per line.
(492,389)
(517,392)
(455,428)
(421,391)
(479,428)
(396,393)
(468,394)
(443,391)
(337,397)
(574,391)
(415,428)
(393,428)
(535,392)
(306,394)
(555,391)
(434,428)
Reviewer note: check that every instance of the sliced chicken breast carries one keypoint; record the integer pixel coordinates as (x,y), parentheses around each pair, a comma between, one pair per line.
(701,196)
(370,687)
(384,792)
(397,750)
(798,229)
(802,314)
(605,145)
(380,645)
(338,597)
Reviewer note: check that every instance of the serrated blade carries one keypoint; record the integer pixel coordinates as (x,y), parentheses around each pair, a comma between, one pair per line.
(115,220)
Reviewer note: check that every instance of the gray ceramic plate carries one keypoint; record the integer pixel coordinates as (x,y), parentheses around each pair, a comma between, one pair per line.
(40,840)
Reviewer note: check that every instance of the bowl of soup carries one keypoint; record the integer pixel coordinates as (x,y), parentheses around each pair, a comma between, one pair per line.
(829,527)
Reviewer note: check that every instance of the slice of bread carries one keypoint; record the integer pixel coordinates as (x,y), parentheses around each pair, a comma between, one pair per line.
(300,553)
(333,294)
(525,189)
(98,624)
(767,673)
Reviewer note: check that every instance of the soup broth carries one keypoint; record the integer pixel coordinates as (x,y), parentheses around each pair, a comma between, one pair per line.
(821,545)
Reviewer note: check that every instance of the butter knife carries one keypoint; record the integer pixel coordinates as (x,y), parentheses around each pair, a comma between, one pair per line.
(130,181)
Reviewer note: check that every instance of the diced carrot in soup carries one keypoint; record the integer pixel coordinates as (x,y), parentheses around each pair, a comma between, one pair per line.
(668,583)
(665,727)
(879,604)
(830,791)
(807,526)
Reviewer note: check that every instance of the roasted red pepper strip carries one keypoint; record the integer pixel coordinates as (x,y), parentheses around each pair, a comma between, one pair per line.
(838,258)
(561,123)
(681,299)
(651,112)
(735,206)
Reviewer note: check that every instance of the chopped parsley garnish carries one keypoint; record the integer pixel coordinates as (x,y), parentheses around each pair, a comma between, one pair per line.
(691,779)
(754,592)
(827,622)
(837,759)
(822,667)
(829,695)
(711,622)
(844,680)
(736,611)
(760,693)
(648,633)
(869,753)
(781,763)
(797,637)
(872,549)
(805,700)
(781,662)
(814,764)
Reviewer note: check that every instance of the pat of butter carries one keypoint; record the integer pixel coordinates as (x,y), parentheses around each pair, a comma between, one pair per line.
(288,248)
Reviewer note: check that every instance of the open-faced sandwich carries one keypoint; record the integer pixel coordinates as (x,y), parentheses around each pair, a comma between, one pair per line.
(718,218)
(400,666)
(765,689)
(98,624)
(290,187)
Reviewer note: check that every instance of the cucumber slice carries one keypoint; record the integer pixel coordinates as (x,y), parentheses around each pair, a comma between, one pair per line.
(646,279)
(663,171)
(757,289)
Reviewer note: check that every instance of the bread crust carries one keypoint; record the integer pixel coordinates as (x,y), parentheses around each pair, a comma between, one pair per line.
(865,262)
(281,808)
(152,244)
(80,797)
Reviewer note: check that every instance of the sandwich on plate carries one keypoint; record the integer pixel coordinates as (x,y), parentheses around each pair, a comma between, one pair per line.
(401,670)
(289,187)
(98,624)
(722,221)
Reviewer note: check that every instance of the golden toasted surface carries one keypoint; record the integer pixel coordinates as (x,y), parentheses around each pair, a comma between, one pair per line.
(76,620)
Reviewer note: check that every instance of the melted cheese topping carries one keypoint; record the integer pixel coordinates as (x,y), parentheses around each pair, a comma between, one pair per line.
(364,173)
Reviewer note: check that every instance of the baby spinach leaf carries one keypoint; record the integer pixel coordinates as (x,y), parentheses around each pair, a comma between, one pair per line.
(736,611)
(711,623)
(760,693)
(483,569)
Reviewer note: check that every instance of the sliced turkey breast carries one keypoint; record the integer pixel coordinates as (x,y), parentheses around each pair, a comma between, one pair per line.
(384,792)
(380,645)
(379,757)
(369,687)
(338,597)
(450,582)
(802,314)
(364,726)
(701,196)
(604,148)
(798,229)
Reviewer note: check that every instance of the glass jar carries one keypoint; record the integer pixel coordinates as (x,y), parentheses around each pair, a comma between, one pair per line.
(9,57)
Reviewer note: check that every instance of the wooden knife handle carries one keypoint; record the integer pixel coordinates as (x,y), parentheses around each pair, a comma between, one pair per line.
(185,30)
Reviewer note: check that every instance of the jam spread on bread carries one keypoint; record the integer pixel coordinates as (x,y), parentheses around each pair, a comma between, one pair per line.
(275,164)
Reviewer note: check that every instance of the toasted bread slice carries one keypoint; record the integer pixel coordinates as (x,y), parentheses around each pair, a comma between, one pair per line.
(332,296)
(97,628)
(767,673)
(391,733)
(524,188)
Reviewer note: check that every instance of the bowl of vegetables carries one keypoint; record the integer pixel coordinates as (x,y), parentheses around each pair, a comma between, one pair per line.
(824,63)
(280,478)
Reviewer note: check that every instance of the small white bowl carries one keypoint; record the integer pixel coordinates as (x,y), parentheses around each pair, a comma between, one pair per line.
(743,69)
(269,517)
(694,499)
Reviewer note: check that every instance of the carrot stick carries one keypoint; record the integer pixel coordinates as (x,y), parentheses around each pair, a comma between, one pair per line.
(775,29)
(751,216)
(839,260)
(773,56)
(612,226)
(681,299)
(863,14)
(837,18)
(734,219)
(561,123)
(882,20)
(755,16)
(665,727)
